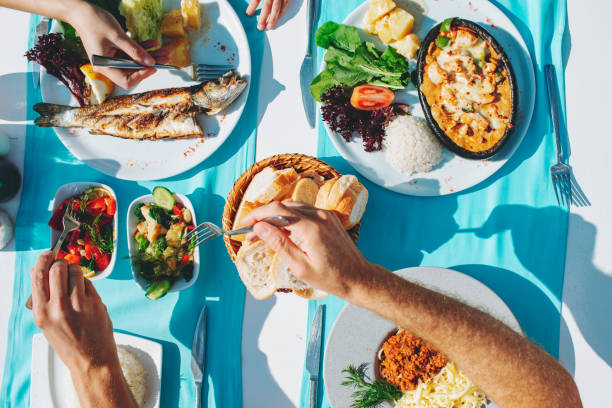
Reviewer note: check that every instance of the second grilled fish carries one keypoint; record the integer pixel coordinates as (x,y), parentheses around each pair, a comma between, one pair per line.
(164,113)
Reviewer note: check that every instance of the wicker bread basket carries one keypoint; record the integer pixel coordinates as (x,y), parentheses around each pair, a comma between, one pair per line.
(299,162)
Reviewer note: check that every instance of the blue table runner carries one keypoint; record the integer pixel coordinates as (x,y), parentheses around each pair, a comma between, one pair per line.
(171,320)
(519,248)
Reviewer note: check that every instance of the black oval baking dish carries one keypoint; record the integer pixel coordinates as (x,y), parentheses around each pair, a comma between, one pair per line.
(421,62)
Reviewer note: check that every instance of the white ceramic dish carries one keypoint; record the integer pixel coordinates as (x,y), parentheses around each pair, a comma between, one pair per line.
(75,189)
(226,42)
(132,222)
(50,381)
(454,173)
(358,333)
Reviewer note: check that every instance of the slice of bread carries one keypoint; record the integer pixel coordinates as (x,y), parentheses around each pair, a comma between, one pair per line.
(305,191)
(286,281)
(321,201)
(347,197)
(254,264)
(270,184)
(245,208)
(314,176)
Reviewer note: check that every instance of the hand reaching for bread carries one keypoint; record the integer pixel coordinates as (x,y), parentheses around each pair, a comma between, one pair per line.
(262,269)
(315,246)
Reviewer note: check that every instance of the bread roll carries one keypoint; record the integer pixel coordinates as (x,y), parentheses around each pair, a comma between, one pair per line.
(346,196)
(254,264)
(305,191)
(284,279)
(348,199)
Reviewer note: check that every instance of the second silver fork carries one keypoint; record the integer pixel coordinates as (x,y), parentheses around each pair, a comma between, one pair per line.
(207,230)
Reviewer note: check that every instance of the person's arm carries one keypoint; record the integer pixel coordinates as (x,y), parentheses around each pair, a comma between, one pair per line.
(510,369)
(75,322)
(100,33)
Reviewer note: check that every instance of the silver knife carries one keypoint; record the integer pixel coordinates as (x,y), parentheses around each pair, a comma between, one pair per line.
(198,356)
(306,71)
(313,355)
(41,29)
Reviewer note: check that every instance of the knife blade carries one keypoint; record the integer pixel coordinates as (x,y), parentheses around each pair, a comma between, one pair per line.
(41,29)
(198,355)
(313,354)
(306,70)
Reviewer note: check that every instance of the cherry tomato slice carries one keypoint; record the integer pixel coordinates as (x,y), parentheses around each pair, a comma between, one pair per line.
(102,261)
(96,206)
(111,205)
(370,97)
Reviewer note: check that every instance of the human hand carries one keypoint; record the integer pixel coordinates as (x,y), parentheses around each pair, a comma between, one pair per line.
(71,315)
(271,11)
(101,34)
(326,257)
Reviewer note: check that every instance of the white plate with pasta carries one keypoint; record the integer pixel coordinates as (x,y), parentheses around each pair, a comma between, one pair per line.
(358,333)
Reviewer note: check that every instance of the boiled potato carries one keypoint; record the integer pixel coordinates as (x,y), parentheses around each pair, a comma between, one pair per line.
(383,30)
(378,8)
(172,24)
(190,9)
(400,23)
(179,52)
(407,46)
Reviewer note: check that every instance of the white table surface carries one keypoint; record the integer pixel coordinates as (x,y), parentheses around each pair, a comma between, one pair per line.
(274,330)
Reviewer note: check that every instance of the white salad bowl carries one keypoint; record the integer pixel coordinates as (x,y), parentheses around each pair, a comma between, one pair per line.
(75,189)
(132,222)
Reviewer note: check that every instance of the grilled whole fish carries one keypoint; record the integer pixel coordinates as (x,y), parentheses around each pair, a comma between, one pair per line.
(163,113)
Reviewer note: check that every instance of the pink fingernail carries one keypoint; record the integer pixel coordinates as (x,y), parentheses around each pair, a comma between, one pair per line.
(261,229)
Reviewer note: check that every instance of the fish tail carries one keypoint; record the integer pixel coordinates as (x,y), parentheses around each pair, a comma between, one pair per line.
(50,114)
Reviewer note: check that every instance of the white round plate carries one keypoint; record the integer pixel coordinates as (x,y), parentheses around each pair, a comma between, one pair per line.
(454,173)
(358,333)
(224,43)
(51,383)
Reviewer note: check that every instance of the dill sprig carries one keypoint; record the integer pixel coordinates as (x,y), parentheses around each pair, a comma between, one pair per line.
(103,239)
(368,394)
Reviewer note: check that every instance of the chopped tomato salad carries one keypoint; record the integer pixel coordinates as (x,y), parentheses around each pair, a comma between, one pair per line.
(91,245)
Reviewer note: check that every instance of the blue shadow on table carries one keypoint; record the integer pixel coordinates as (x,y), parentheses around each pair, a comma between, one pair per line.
(435,214)
(171,373)
(588,288)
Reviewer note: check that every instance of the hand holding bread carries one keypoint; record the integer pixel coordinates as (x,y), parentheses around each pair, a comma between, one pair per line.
(315,247)
(262,269)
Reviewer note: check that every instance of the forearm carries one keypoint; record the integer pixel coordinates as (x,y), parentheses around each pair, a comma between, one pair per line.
(58,9)
(103,387)
(507,367)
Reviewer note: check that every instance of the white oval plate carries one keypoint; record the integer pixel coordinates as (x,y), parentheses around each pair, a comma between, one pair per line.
(454,173)
(132,222)
(75,189)
(226,42)
(51,383)
(358,333)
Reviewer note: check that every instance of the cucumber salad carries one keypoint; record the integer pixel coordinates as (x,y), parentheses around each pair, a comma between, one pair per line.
(164,255)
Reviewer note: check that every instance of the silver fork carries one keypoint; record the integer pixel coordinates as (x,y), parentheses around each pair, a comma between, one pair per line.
(564,183)
(560,172)
(70,223)
(197,72)
(207,230)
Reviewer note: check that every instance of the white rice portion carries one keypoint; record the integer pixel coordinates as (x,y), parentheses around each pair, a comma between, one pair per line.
(410,146)
(134,373)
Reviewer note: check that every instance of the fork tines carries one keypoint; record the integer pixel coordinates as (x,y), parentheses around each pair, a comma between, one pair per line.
(566,188)
(203,72)
(202,233)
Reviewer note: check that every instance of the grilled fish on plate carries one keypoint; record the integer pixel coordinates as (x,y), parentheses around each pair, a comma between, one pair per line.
(163,113)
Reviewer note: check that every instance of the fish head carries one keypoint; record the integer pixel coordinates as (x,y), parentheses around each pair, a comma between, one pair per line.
(214,96)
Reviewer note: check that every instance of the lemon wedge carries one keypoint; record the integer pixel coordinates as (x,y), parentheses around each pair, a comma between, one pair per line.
(99,86)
